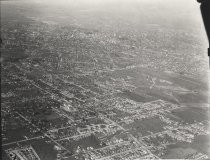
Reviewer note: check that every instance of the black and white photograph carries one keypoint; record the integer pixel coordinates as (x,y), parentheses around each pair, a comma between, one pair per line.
(105,79)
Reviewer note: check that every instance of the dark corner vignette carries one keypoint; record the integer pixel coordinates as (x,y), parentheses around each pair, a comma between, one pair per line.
(205,11)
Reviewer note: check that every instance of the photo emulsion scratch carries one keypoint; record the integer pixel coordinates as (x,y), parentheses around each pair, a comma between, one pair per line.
(104,80)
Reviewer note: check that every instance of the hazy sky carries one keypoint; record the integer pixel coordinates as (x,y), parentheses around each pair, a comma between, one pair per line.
(92,13)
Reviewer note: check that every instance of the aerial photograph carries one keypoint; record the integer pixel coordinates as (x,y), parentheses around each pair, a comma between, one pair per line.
(104,80)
